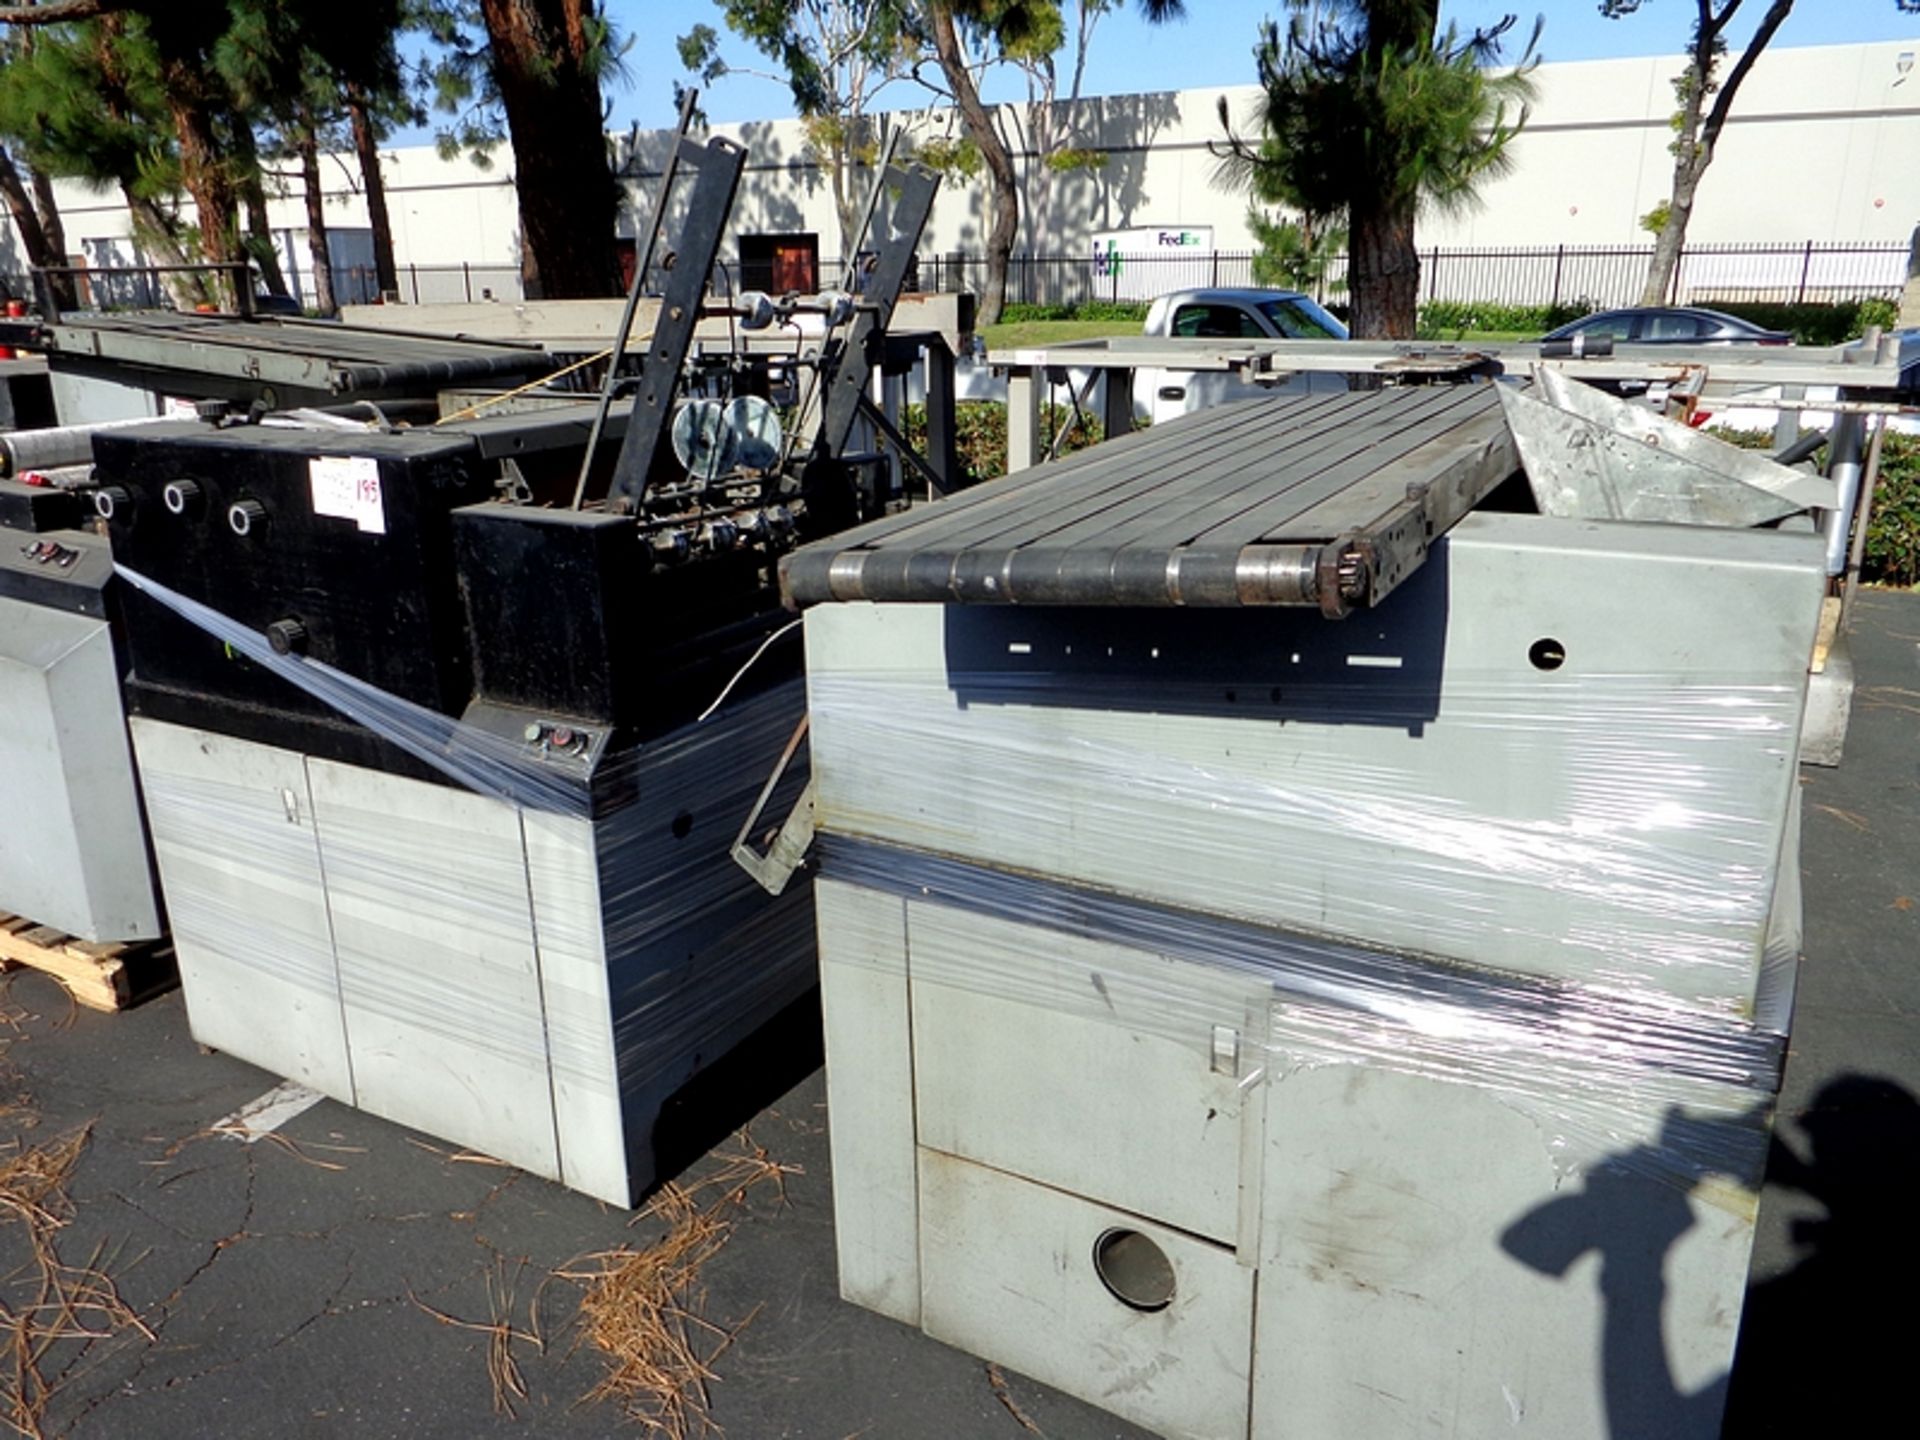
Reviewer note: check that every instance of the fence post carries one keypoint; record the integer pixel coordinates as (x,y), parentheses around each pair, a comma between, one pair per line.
(1559,265)
(1216,270)
(1673,280)
(466,274)
(1806,265)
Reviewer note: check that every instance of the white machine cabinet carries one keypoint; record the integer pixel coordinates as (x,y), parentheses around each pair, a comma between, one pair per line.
(73,843)
(533,985)
(1260,1025)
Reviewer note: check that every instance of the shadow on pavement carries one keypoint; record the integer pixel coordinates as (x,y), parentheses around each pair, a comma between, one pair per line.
(1825,1348)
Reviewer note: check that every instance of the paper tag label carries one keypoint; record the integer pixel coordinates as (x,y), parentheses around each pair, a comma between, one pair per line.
(348,488)
(174,408)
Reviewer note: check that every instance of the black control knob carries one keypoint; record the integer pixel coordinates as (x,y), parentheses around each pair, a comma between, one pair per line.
(112,500)
(287,637)
(181,497)
(247,517)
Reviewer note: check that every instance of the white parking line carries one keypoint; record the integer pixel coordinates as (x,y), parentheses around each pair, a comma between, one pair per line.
(269,1112)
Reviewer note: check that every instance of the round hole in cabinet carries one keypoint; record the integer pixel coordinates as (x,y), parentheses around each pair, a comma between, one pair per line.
(1135,1271)
(1547,653)
(682,825)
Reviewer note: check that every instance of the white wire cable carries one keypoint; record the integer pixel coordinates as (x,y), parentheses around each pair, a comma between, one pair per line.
(721,698)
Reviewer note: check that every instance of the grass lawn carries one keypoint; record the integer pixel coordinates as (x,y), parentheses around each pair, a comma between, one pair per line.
(1027,333)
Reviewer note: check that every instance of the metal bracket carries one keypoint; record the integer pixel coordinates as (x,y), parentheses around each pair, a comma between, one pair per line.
(847,363)
(774,867)
(717,167)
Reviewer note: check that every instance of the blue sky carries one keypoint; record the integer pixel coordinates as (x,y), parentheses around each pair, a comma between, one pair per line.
(1212,47)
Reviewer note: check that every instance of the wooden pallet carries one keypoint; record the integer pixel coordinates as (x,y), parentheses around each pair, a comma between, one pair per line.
(107,976)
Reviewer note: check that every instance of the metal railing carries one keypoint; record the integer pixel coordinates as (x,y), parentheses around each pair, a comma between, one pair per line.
(1601,276)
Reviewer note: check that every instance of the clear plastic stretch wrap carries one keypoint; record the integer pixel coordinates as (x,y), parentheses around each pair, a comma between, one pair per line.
(529,962)
(1496,835)
(1604,827)
(1585,1064)
(483,762)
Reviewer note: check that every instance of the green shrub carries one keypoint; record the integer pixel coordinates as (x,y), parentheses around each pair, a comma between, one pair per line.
(1893,531)
(1892,556)
(982,433)
(1827,323)
(1449,319)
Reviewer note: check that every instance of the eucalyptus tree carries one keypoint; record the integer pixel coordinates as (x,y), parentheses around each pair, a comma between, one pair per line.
(835,57)
(967,35)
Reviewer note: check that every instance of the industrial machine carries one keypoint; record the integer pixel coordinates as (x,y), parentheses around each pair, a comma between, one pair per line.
(73,851)
(120,362)
(445,730)
(1307,943)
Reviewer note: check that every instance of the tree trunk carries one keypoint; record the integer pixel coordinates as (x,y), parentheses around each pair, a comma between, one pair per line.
(33,235)
(158,233)
(49,208)
(1003,195)
(202,169)
(1383,275)
(253,198)
(1672,238)
(317,250)
(1693,146)
(545,71)
(367,146)
(37,235)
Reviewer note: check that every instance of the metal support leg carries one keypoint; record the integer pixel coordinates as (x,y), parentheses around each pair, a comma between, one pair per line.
(1857,554)
(1843,468)
(1023,420)
(1786,425)
(943,431)
(1116,406)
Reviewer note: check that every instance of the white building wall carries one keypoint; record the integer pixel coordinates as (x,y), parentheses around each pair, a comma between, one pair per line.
(1820,148)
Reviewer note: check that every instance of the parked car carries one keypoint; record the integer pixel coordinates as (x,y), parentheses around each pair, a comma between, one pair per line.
(1230,314)
(1242,314)
(1220,314)
(1669,325)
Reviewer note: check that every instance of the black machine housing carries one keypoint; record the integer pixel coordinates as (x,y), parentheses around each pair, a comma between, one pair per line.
(457,599)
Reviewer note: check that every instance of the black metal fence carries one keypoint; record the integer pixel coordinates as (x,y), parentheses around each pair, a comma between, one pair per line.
(1597,275)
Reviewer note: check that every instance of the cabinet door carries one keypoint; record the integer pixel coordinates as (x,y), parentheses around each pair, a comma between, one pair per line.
(438,976)
(233,833)
(1109,1072)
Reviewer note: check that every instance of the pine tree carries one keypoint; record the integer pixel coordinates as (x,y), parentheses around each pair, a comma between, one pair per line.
(533,68)
(1367,114)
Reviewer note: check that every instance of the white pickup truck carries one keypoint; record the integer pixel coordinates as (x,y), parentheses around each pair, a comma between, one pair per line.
(1229,315)
(1225,315)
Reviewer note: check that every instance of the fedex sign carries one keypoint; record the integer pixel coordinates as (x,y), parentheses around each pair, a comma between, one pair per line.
(1138,263)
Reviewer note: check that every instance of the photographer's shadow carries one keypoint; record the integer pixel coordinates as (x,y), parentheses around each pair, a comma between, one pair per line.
(1825,1346)
(1817,1344)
